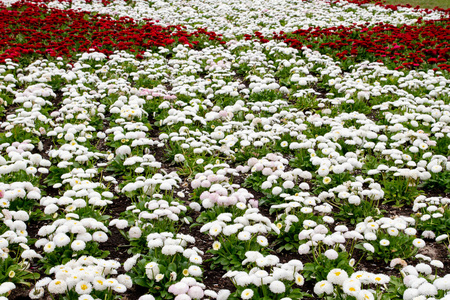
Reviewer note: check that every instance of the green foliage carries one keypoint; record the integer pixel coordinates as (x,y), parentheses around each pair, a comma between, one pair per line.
(438,182)
(54,175)
(169,268)
(254,181)
(229,252)
(399,246)
(437,221)
(394,290)
(318,269)
(355,105)
(358,213)
(288,239)
(15,271)
(399,190)
(302,160)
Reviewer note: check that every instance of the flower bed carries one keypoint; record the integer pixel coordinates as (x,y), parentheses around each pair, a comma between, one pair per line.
(200,160)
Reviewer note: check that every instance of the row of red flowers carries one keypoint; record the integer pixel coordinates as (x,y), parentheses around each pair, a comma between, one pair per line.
(28,29)
(424,43)
(384,5)
(104,2)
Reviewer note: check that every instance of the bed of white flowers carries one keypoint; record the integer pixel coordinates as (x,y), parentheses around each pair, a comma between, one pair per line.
(274,166)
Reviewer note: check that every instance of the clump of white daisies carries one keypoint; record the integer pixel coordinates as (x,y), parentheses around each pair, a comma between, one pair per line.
(82,278)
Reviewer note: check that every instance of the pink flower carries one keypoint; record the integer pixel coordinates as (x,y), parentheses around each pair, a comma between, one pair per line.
(195,183)
(205,184)
(258,166)
(223,113)
(232,200)
(145,92)
(205,195)
(222,200)
(254,203)
(178,288)
(214,197)
(195,292)
(252,161)
(212,178)
(183,297)
(267,171)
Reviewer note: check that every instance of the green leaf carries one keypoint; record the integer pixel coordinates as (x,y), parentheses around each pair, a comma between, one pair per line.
(105,254)
(172,267)
(289,247)
(309,267)
(297,294)
(142,282)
